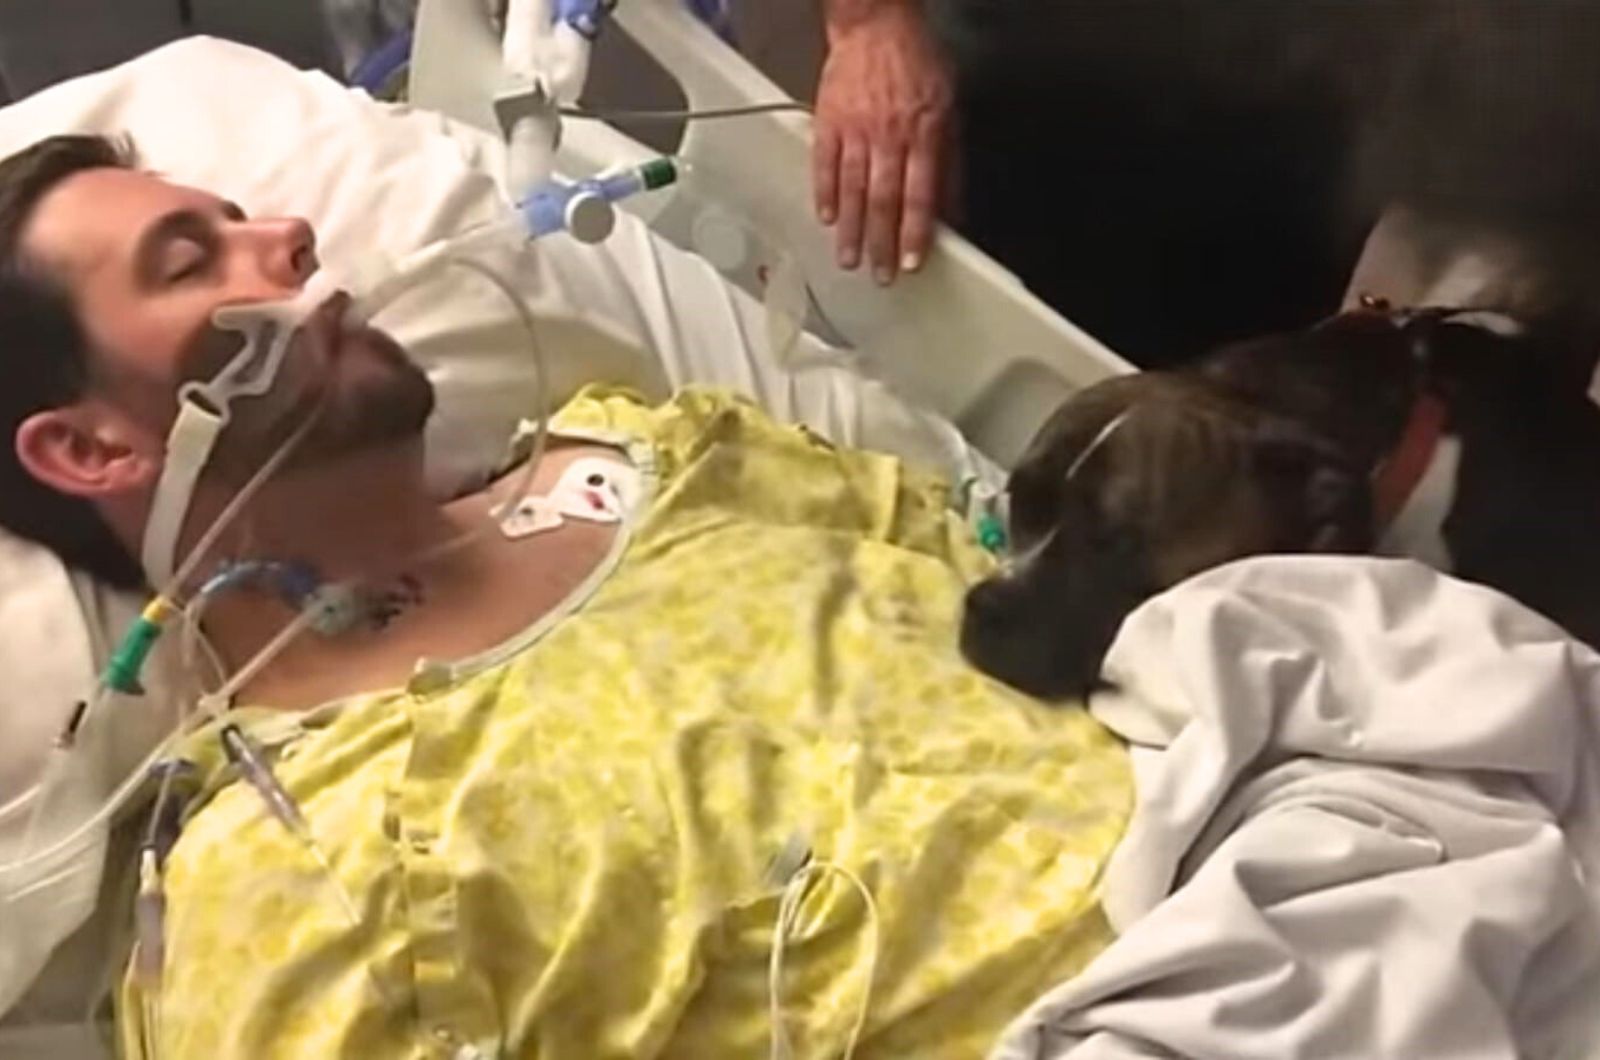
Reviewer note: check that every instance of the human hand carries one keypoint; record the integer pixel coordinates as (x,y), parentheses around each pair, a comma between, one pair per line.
(882,115)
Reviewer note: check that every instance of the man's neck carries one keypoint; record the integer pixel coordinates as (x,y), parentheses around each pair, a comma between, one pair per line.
(367,518)
(363,516)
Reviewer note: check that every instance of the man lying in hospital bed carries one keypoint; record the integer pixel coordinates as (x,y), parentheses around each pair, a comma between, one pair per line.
(700,693)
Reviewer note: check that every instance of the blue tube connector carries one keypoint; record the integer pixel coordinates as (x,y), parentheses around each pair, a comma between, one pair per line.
(584,16)
(584,209)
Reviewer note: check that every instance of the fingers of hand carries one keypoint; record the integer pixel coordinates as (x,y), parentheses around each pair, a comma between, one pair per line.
(885,196)
(919,211)
(827,147)
(854,169)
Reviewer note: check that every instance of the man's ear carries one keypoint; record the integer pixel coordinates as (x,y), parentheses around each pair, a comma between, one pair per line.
(83,451)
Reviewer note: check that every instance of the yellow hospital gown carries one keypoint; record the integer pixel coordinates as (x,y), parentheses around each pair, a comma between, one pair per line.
(563,849)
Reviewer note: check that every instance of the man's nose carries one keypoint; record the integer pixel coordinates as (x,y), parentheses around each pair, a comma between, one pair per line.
(285,249)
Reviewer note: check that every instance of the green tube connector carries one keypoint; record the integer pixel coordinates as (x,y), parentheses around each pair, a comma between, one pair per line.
(127,662)
(991,533)
(658,173)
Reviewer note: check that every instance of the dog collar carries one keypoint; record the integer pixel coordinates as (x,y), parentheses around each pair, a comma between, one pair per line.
(1414,488)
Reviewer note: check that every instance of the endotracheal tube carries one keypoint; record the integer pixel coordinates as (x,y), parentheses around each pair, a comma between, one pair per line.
(581,208)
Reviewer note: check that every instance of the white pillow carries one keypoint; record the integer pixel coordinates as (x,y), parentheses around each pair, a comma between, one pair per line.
(377,177)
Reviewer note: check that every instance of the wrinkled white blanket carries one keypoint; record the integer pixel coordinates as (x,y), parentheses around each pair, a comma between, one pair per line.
(1368,825)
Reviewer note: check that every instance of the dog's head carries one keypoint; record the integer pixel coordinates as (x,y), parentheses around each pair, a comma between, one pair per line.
(1354,378)
(1133,486)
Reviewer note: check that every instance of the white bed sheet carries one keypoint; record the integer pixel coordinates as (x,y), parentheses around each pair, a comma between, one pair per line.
(1368,826)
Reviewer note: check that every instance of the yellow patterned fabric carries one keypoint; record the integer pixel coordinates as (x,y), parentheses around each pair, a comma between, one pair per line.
(564,849)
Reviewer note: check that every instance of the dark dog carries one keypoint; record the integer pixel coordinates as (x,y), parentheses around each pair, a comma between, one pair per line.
(1462,439)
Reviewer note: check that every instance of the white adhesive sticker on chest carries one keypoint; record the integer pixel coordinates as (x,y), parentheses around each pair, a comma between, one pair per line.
(591,489)
(596,489)
(532,515)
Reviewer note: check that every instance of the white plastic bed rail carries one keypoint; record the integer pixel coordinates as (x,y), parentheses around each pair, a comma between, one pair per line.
(963,336)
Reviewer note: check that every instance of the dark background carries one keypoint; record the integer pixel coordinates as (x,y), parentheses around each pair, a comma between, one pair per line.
(1169,174)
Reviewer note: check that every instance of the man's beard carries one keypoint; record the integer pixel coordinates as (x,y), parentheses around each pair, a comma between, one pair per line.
(385,400)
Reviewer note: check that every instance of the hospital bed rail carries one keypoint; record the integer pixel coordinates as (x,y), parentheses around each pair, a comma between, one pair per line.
(962,336)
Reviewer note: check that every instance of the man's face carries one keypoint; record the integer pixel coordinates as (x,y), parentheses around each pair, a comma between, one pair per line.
(148,262)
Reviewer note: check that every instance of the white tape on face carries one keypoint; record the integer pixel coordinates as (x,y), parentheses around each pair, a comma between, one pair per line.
(268,329)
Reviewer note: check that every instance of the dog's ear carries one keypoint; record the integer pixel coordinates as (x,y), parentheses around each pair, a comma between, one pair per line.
(1323,494)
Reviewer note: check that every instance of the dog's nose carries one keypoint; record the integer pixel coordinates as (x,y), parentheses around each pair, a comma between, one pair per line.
(1000,637)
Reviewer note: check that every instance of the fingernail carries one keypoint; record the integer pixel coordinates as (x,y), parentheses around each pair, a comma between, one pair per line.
(827,215)
(849,259)
(911,262)
(884,275)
